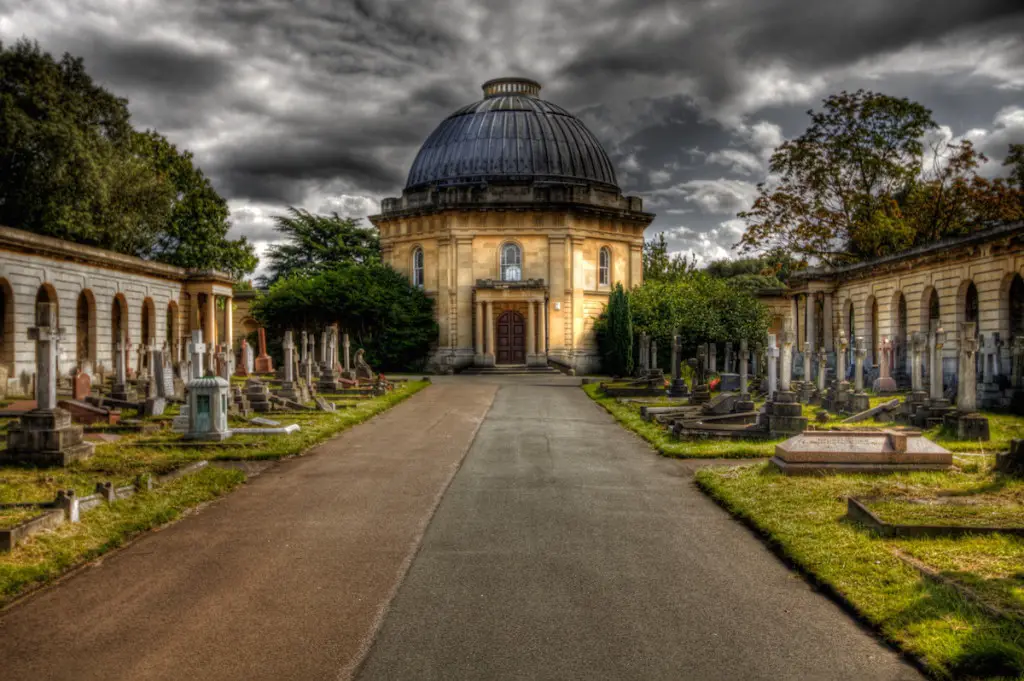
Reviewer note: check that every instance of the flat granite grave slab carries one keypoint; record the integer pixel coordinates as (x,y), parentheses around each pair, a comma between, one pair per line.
(860,451)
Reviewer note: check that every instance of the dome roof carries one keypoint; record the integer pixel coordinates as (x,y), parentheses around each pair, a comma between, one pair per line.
(511,135)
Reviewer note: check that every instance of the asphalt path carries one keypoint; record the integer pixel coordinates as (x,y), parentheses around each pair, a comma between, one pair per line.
(286,578)
(566,549)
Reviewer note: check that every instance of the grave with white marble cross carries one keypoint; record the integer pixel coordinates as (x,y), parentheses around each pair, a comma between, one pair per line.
(45,436)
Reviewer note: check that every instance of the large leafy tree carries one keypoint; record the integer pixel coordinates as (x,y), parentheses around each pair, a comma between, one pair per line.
(856,185)
(837,179)
(376,305)
(72,166)
(318,243)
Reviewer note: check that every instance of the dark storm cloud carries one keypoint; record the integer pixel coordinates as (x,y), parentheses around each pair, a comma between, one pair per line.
(324,103)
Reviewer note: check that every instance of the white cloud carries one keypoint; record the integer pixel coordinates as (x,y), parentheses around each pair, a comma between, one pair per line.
(742,162)
(720,197)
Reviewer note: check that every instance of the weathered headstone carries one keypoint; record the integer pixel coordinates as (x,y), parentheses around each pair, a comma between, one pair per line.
(121,390)
(859,399)
(935,371)
(969,424)
(678,387)
(264,364)
(197,351)
(786,376)
(885,383)
(347,371)
(288,388)
(45,436)
(82,386)
(773,369)
(728,358)
(1012,462)
(744,403)
(645,354)
(822,370)
(713,357)
(244,368)
(917,348)
(363,370)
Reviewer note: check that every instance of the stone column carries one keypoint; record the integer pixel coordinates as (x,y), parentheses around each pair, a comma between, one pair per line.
(743,367)
(289,349)
(809,336)
(938,340)
(967,380)
(346,348)
(713,357)
(211,322)
(542,324)
(479,345)
(822,369)
(826,309)
(773,360)
(785,380)
(489,318)
(531,332)
(728,357)
(46,335)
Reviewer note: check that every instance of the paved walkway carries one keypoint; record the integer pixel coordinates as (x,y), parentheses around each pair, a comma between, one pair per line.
(563,549)
(566,549)
(284,579)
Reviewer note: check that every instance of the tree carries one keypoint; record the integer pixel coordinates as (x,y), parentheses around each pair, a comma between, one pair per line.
(317,243)
(72,167)
(659,264)
(770,270)
(836,182)
(195,233)
(615,335)
(384,314)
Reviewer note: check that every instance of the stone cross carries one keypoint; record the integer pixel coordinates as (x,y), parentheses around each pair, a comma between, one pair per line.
(121,360)
(967,381)
(841,359)
(935,375)
(773,359)
(289,350)
(860,351)
(654,354)
(46,334)
(346,348)
(312,348)
(323,347)
(743,365)
(785,381)
(755,358)
(822,369)
(303,347)
(917,347)
(808,365)
(713,357)
(197,350)
(886,358)
(728,357)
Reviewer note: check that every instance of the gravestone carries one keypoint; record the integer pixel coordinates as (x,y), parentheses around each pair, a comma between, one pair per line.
(713,358)
(289,389)
(885,383)
(258,395)
(969,425)
(785,414)
(120,389)
(701,393)
(729,382)
(346,371)
(786,372)
(859,399)
(773,369)
(654,359)
(330,378)
(720,404)
(1012,462)
(45,436)
(82,386)
(363,370)
(851,451)
(678,387)
(744,403)
(156,396)
(244,368)
(645,354)
(728,358)
(196,351)
(208,409)
(264,364)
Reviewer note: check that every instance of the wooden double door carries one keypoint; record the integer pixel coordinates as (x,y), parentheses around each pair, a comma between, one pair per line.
(510,337)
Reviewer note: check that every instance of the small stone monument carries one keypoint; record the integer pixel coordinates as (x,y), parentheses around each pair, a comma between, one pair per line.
(81,386)
(885,384)
(329,376)
(713,357)
(645,354)
(773,369)
(243,367)
(822,373)
(678,387)
(45,436)
(859,399)
(744,403)
(289,389)
(208,409)
(363,370)
(120,389)
(786,415)
(969,425)
(701,393)
(258,395)
(264,364)
(346,371)
(1012,462)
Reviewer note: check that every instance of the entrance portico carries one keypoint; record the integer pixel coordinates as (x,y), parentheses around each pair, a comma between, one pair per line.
(510,322)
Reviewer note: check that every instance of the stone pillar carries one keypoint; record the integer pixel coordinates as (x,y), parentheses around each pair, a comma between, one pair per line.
(542,324)
(743,367)
(773,369)
(323,348)
(478,346)
(531,332)
(938,340)
(713,358)
(822,370)
(859,353)
(728,357)
(826,309)
(967,380)
(211,322)
(809,336)
(917,345)
(785,380)
(645,357)
(885,382)
(654,354)
(489,318)
(289,350)
(346,353)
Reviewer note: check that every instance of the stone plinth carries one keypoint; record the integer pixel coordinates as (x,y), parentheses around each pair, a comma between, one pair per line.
(785,415)
(851,451)
(701,394)
(970,426)
(258,395)
(45,437)
(1012,462)
(678,388)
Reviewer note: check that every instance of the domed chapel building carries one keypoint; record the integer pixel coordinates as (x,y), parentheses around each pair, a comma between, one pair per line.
(513,222)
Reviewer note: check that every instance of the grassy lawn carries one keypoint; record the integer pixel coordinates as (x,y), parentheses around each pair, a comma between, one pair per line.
(945,627)
(49,554)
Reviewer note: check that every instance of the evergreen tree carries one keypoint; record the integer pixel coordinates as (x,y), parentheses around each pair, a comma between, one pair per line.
(618,334)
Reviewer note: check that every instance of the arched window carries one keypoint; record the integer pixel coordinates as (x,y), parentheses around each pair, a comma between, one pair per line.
(604,267)
(511,263)
(417,268)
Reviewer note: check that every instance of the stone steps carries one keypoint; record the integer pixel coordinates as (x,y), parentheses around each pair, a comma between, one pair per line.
(510,370)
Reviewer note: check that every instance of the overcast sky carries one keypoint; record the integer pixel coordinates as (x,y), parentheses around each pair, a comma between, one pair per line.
(323,103)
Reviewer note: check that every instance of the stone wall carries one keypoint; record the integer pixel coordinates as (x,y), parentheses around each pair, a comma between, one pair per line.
(86,284)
